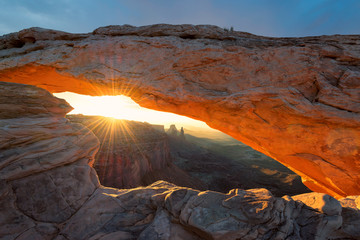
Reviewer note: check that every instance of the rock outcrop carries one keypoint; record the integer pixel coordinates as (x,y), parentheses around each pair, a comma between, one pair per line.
(175,133)
(133,154)
(45,176)
(296,100)
(49,191)
(172,131)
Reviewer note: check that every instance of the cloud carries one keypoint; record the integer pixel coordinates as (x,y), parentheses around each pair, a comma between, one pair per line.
(263,17)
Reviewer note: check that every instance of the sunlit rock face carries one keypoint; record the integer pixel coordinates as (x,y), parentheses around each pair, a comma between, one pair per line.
(133,154)
(49,191)
(294,99)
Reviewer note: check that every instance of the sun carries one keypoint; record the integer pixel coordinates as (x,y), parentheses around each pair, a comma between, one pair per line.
(122,107)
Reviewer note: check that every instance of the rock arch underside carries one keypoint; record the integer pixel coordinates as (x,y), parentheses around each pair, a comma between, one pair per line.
(296,100)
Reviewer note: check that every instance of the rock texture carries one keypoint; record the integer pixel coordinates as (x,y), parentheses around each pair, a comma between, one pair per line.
(45,175)
(133,154)
(294,99)
(49,191)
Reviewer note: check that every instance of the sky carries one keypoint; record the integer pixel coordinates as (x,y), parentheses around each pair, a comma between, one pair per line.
(276,18)
(126,108)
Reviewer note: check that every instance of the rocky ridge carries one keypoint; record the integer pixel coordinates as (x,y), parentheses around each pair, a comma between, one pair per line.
(49,191)
(296,100)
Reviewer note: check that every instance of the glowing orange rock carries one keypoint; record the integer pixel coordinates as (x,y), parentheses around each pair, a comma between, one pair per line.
(294,99)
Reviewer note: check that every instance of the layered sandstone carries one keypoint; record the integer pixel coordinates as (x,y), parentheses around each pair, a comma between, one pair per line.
(49,191)
(45,175)
(294,99)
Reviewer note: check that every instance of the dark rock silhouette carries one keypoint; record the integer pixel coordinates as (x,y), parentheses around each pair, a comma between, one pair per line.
(182,134)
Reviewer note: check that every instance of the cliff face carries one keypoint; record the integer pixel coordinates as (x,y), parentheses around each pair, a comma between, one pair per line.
(294,99)
(49,191)
(132,153)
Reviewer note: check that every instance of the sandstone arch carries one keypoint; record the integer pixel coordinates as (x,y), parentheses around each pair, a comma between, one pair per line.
(294,99)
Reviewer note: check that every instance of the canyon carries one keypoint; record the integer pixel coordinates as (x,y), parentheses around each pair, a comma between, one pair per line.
(134,154)
(223,164)
(50,191)
(296,100)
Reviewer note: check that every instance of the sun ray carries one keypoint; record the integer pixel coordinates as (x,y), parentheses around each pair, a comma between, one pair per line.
(122,107)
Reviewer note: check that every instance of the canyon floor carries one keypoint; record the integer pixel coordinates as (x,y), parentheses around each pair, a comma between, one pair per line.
(224,163)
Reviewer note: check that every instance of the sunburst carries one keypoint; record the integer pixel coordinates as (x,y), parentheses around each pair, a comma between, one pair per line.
(113,134)
(122,107)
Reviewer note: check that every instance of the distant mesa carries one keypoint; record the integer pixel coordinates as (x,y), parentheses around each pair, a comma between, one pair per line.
(174,132)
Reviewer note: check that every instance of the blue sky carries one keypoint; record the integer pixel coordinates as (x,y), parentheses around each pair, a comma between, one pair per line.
(262,17)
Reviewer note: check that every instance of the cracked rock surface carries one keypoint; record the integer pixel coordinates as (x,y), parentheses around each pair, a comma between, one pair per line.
(296,100)
(50,191)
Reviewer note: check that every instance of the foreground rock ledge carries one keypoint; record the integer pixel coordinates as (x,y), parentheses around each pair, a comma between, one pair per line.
(294,99)
(48,190)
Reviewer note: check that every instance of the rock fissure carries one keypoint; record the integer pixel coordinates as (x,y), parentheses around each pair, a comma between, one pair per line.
(62,195)
(23,233)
